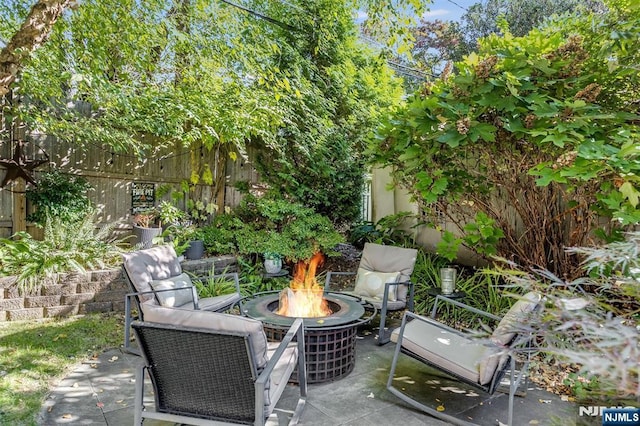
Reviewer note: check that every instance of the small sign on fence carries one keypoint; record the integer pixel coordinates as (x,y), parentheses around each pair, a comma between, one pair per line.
(143,196)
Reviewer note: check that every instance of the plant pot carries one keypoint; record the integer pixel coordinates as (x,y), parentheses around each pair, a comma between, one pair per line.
(195,250)
(145,236)
(272,266)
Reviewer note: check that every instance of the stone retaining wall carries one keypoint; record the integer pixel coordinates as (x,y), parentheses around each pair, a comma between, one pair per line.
(94,291)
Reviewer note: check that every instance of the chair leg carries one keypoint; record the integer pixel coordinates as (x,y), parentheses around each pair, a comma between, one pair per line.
(139,395)
(127,328)
(384,337)
(431,411)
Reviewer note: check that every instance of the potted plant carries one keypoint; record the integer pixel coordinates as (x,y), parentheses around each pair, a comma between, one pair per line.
(169,214)
(145,228)
(186,240)
(195,250)
(272,262)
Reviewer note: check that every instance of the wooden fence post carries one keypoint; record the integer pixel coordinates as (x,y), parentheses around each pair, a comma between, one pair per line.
(19,206)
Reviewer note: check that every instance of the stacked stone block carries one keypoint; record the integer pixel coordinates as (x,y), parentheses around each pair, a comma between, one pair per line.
(83,293)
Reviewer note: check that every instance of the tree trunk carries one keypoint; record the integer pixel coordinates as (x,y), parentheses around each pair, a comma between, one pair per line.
(34,32)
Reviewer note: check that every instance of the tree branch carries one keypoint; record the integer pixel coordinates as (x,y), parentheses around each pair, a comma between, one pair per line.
(32,34)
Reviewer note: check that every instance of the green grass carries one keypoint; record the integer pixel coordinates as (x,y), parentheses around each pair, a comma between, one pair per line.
(34,355)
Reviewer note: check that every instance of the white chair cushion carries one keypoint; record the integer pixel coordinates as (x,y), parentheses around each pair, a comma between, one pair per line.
(383,258)
(372,284)
(450,351)
(506,330)
(177,298)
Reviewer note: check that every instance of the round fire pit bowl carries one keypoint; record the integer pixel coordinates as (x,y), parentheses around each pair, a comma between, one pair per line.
(330,342)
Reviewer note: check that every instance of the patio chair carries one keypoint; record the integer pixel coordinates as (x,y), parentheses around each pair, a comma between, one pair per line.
(480,363)
(208,367)
(155,277)
(383,279)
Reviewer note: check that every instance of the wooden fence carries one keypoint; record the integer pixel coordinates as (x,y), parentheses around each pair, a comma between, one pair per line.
(113,174)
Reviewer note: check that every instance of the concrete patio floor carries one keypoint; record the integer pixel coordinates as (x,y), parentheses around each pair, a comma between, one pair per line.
(101,392)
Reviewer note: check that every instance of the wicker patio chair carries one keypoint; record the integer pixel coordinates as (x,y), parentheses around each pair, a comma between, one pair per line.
(383,279)
(155,277)
(480,363)
(207,367)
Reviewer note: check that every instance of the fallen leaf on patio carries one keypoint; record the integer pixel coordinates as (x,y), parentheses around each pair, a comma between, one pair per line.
(49,408)
(119,401)
(534,422)
(405,379)
(544,401)
(113,358)
(453,389)
(500,423)
(100,405)
(93,365)
(440,408)
(66,416)
(359,337)
(370,395)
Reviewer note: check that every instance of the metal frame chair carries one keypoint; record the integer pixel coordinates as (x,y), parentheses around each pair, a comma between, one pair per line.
(161,262)
(205,376)
(496,358)
(385,259)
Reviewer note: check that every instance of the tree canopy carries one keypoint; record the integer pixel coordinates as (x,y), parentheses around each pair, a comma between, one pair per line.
(531,142)
(287,77)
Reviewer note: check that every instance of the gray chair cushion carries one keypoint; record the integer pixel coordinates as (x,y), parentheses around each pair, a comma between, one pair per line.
(212,321)
(176,298)
(217,303)
(156,263)
(450,351)
(506,330)
(382,258)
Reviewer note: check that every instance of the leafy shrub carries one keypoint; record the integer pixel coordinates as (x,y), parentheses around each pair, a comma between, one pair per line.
(252,280)
(67,247)
(592,322)
(59,195)
(327,178)
(530,143)
(389,230)
(220,236)
(211,286)
(281,226)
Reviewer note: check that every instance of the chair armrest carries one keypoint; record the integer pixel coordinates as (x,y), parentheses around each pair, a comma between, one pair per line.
(296,329)
(445,299)
(327,281)
(408,315)
(140,293)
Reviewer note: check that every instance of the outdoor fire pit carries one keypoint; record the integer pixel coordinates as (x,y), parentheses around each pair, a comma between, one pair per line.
(330,341)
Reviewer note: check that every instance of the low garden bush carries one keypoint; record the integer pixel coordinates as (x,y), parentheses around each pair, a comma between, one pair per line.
(66,247)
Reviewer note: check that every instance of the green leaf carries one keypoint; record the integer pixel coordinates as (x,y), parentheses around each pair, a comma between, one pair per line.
(628,190)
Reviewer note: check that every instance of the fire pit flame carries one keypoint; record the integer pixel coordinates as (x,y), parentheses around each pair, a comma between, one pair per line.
(304,297)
